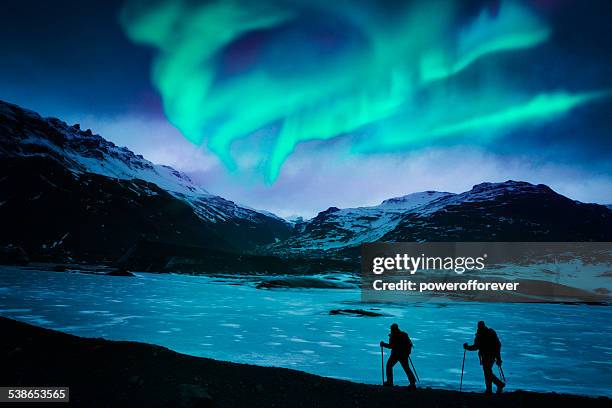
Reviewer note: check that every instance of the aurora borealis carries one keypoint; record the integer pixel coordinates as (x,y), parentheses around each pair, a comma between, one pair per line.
(293,106)
(357,66)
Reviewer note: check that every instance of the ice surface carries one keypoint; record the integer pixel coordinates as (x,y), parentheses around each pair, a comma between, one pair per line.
(546,347)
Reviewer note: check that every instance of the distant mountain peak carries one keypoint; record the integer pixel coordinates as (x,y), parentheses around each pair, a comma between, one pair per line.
(413,200)
(294,219)
(330,210)
(510,185)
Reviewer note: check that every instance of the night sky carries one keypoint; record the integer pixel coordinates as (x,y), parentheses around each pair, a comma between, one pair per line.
(294,106)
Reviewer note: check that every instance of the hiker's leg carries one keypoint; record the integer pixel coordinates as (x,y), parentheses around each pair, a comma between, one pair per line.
(407,370)
(494,379)
(390,363)
(487,368)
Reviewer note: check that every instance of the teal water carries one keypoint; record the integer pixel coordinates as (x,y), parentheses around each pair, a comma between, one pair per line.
(546,347)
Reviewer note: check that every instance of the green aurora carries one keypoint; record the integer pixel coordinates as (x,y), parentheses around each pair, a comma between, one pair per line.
(373,85)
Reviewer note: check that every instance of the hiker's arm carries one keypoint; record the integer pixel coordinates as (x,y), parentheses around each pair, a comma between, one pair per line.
(385,345)
(470,348)
(474,346)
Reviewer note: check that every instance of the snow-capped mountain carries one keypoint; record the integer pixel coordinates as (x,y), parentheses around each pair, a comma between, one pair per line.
(85,152)
(411,201)
(70,192)
(337,228)
(508,211)
(47,163)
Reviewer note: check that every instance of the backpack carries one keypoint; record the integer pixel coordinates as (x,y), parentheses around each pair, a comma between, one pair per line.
(401,343)
(493,345)
(407,343)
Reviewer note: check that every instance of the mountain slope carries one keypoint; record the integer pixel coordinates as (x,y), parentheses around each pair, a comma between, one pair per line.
(508,211)
(336,228)
(68,190)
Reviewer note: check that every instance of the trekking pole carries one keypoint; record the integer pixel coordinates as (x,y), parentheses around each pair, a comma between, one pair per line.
(414,369)
(501,373)
(382,364)
(462,365)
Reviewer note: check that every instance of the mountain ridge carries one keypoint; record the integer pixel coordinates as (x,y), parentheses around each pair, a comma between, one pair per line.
(84,151)
(71,192)
(502,211)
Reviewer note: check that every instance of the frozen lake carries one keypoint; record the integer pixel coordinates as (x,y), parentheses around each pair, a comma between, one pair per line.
(546,347)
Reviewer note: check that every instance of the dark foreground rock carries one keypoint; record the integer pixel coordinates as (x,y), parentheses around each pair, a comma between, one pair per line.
(109,373)
(120,272)
(299,282)
(13,255)
(355,312)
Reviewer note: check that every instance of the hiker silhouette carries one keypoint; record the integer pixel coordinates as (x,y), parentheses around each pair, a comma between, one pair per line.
(489,351)
(401,347)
